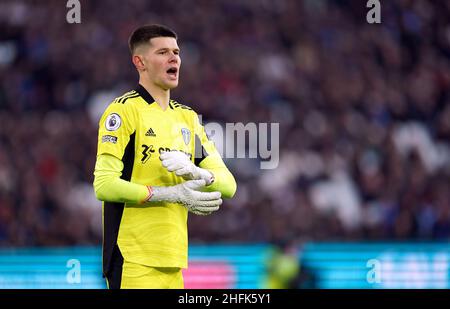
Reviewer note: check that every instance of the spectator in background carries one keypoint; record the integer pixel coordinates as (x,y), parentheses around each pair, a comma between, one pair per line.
(354,102)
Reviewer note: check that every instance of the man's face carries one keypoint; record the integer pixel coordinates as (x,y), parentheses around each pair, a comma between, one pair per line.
(162,62)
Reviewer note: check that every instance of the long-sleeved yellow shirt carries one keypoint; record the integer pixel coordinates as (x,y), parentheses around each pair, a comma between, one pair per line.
(110,187)
(133,131)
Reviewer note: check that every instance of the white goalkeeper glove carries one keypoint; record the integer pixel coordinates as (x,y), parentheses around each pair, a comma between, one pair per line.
(178,162)
(188,194)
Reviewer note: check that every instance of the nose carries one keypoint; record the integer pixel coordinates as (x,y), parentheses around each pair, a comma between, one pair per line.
(173,58)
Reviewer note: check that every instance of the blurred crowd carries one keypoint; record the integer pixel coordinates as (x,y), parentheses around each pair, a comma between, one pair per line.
(363,109)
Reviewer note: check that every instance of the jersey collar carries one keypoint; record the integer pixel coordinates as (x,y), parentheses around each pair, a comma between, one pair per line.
(144,94)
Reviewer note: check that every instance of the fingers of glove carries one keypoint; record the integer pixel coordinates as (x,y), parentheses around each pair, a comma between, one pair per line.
(167,162)
(206,208)
(208,205)
(165,155)
(205,196)
(172,163)
(174,155)
(201,173)
(200,213)
(174,167)
(195,184)
(183,171)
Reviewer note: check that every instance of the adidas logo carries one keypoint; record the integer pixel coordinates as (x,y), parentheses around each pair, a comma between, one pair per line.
(150,132)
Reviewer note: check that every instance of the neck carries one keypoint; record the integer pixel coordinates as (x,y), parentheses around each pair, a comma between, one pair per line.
(160,95)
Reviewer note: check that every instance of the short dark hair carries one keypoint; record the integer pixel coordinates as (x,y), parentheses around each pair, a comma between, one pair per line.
(143,34)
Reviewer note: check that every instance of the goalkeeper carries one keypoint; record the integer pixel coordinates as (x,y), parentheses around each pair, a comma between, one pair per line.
(154,164)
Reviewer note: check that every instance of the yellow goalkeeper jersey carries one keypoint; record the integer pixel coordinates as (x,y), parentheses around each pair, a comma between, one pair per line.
(135,129)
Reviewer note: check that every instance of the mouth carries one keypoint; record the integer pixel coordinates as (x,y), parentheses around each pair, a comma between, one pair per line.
(172,72)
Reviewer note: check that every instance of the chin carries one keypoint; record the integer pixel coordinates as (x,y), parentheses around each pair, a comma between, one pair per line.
(172,84)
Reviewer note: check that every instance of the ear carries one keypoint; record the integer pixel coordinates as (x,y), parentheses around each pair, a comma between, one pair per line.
(138,62)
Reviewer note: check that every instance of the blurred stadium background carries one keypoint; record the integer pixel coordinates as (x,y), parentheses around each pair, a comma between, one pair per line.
(360,198)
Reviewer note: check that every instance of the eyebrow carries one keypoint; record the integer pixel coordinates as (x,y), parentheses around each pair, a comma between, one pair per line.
(166,48)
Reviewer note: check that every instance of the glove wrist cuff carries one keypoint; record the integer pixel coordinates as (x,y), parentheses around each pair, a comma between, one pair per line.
(149,195)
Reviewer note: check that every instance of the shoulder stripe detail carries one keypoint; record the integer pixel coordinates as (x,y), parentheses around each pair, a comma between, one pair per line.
(128,94)
(184,107)
(179,105)
(130,97)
